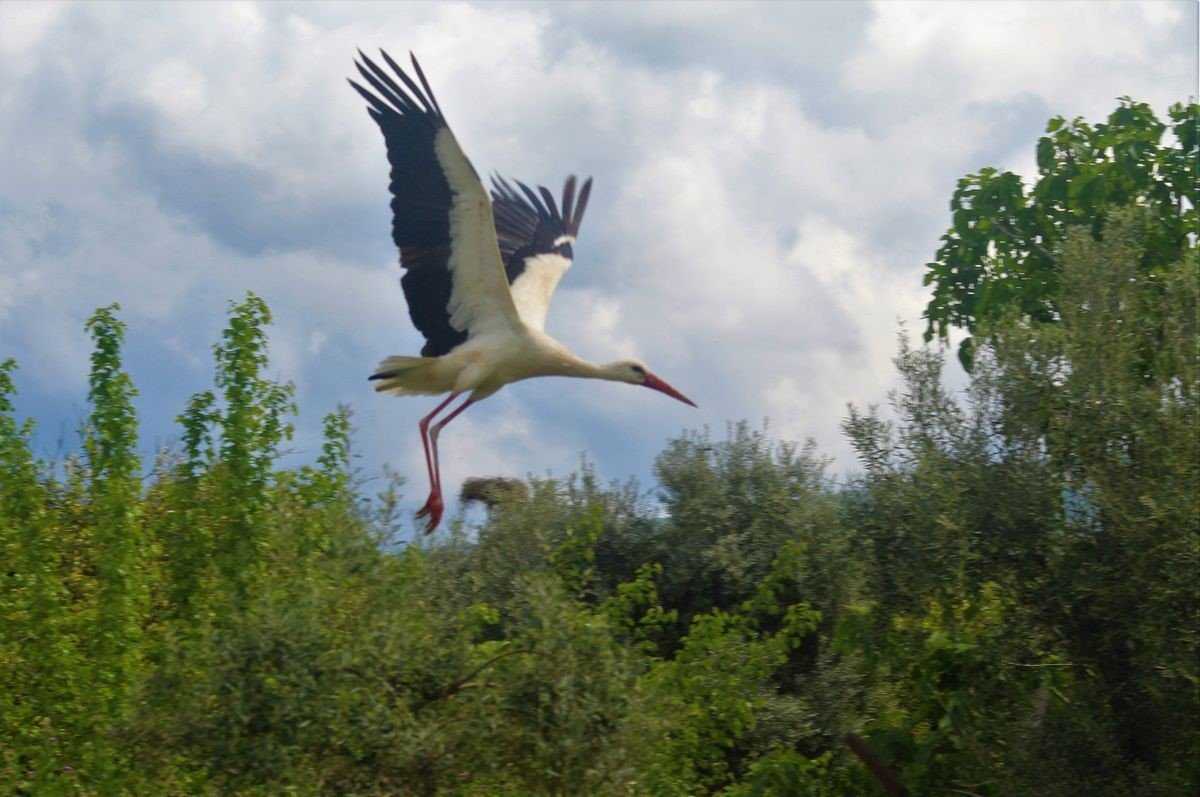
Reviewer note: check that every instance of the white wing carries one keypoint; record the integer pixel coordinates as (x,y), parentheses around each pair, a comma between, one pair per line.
(442,220)
(536,241)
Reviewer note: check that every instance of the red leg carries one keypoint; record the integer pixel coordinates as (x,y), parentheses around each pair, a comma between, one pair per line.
(433,505)
(437,429)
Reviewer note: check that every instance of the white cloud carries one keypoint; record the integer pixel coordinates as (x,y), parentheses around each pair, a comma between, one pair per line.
(760,220)
(1075,56)
(596,320)
(317,341)
(23,26)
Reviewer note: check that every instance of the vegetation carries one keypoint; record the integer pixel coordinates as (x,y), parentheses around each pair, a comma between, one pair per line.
(1003,249)
(1003,601)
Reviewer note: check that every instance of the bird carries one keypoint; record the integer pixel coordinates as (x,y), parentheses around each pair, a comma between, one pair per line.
(480,267)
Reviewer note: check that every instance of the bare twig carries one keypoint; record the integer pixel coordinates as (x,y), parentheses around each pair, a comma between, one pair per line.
(465,681)
(1039,664)
(881,772)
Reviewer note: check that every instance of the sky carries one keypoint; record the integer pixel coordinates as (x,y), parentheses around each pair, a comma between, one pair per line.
(770,180)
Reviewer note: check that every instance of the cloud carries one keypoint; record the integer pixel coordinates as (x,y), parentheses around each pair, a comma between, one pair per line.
(769,184)
(25,27)
(1076,57)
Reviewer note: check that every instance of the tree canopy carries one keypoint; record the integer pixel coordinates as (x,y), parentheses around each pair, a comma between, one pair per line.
(1002,249)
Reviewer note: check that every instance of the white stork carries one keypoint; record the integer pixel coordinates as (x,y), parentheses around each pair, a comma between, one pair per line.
(479,271)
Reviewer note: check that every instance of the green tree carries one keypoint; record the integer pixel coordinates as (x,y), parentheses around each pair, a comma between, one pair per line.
(39,657)
(1003,602)
(1002,249)
(732,506)
(123,552)
(1028,623)
(1114,391)
(230,445)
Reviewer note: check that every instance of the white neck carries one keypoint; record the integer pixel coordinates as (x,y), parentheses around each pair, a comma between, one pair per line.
(617,371)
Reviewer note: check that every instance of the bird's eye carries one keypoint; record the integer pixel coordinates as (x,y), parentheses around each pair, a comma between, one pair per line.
(639,370)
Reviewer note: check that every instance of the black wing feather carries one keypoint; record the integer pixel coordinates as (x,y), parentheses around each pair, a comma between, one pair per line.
(410,119)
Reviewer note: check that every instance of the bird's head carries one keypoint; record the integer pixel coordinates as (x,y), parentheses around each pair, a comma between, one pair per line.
(636,373)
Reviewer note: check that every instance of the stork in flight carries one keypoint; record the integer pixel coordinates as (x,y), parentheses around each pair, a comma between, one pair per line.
(479,271)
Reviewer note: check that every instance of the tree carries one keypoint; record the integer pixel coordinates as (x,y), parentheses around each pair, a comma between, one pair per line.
(1113,391)
(1028,623)
(1002,249)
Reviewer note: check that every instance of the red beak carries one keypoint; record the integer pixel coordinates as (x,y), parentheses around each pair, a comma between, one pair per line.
(655,383)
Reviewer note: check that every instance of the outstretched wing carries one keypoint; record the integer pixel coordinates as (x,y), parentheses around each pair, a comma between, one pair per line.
(536,241)
(454,277)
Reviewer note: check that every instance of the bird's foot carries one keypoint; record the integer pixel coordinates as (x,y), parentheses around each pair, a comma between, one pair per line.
(433,510)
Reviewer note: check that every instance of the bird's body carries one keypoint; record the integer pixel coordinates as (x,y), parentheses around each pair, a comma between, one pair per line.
(480,270)
(484,364)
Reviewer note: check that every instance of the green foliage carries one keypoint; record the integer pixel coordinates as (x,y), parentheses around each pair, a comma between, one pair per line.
(230,445)
(703,700)
(35,651)
(732,506)
(635,611)
(234,627)
(1002,250)
(1003,601)
(1031,613)
(122,550)
(945,679)
(786,773)
(1118,419)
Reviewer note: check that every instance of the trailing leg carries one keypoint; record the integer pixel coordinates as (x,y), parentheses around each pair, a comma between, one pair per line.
(433,505)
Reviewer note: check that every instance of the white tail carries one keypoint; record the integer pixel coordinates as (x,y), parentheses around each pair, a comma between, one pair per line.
(403,376)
